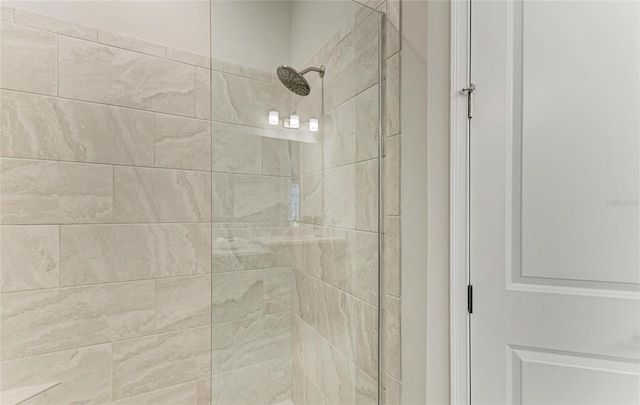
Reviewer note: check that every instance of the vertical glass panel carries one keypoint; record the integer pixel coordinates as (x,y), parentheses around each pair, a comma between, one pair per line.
(295,204)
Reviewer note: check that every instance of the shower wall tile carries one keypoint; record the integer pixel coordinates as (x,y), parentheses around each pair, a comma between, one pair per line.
(28,59)
(248,72)
(262,384)
(189,57)
(311,198)
(203,93)
(260,198)
(92,254)
(46,192)
(185,394)
(183,302)
(365,389)
(366,202)
(237,149)
(366,124)
(43,321)
(392,176)
(304,391)
(222,196)
(277,289)
(305,298)
(204,392)
(182,143)
(391,267)
(54,25)
(392,93)
(237,295)
(41,127)
(161,195)
(256,248)
(6,14)
(391,390)
(339,187)
(277,157)
(133,44)
(391,337)
(29,257)
(340,78)
(84,375)
(366,52)
(104,74)
(311,157)
(339,141)
(154,362)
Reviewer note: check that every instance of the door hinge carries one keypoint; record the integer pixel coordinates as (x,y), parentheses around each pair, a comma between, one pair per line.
(470,298)
(469,92)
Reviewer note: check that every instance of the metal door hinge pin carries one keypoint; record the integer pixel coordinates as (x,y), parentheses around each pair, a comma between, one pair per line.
(469,92)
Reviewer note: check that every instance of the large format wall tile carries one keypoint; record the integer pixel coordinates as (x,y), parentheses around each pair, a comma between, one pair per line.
(28,59)
(367,124)
(161,195)
(278,157)
(222,196)
(185,394)
(340,77)
(304,391)
(45,192)
(339,140)
(366,52)
(56,129)
(29,257)
(237,149)
(92,254)
(54,25)
(134,44)
(182,143)
(42,321)
(260,198)
(311,198)
(237,295)
(104,74)
(277,289)
(183,302)
(253,248)
(84,375)
(339,187)
(203,93)
(367,195)
(154,362)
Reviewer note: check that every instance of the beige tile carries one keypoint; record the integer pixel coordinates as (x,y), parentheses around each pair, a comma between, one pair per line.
(391,390)
(204,392)
(6,14)
(277,289)
(340,196)
(311,198)
(248,72)
(153,362)
(185,394)
(277,157)
(311,157)
(182,143)
(104,74)
(362,259)
(28,59)
(161,195)
(340,76)
(222,198)
(44,192)
(217,64)
(237,295)
(366,52)
(392,176)
(367,124)
(95,254)
(366,203)
(183,302)
(304,391)
(250,248)
(305,297)
(237,149)
(391,265)
(41,127)
(43,321)
(260,198)
(366,389)
(189,57)
(392,94)
(203,93)
(132,44)
(339,140)
(392,27)
(262,384)
(29,257)
(391,336)
(54,25)
(84,375)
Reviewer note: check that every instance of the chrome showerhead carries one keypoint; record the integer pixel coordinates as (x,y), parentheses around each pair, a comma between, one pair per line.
(295,81)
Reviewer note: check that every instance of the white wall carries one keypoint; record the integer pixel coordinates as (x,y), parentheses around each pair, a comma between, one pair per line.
(182,24)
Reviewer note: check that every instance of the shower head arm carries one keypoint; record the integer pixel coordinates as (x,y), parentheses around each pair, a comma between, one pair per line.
(314,69)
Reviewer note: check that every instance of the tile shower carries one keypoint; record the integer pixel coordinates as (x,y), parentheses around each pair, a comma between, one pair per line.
(163,244)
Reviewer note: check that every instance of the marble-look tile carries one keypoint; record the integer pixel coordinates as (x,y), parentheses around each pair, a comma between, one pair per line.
(340,76)
(369,4)
(311,198)
(29,257)
(104,74)
(367,124)
(260,198)
(366,52)
(391,264)
(46,192)
(222,196)
(340,197)
(339,137)
(92,254)
(391,390)
(41,127)
(182,143)
(189,57)
(277,289)
(391,336)
(185,394)
(84,375)
(247,248)
(28,59)
(161,195)
(305,297)
(237,149)
(204,392)
(365,389)
(392,176)
(153,362)
(304,391)
(362,263)
(132,44)
(217,64)
(203,93)
(311,160)
(392,27)
(392,96)
(262,384)
(237,295)
(43,321)
(6,14)
(366,203)
(247,72)
(183,302)
(54,25)
(277,157)
(243,101)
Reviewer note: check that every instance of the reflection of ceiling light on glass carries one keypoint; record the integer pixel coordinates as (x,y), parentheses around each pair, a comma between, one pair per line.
(294,121)
(313,125)
(273,117)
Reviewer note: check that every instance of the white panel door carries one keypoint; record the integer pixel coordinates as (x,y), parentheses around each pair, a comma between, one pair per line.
(554,209)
